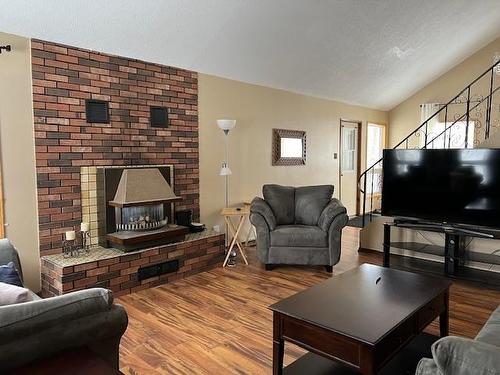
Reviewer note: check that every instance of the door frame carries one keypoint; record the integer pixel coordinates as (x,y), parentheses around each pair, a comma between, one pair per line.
(358,158)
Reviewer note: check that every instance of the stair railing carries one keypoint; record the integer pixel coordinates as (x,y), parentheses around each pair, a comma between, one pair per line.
(473,105)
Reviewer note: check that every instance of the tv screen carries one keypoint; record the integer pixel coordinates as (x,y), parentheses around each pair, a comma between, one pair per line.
(456,186)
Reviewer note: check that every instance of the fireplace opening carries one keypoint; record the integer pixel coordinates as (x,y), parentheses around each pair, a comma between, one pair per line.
(140,218)
(141,208)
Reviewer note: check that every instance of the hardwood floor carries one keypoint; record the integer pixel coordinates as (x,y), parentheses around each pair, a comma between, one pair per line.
(217,322)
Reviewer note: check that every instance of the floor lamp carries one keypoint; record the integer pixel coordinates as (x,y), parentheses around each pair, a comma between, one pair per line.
(226,125)
(225,171)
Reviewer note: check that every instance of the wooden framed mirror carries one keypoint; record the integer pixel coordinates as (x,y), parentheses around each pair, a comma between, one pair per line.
(288,147)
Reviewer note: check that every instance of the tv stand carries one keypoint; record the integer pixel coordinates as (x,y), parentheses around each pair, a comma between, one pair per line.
(453,252)
(445,228)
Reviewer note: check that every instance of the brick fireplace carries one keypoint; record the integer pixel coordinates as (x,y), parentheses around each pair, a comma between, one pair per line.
(63,79)
(70,152)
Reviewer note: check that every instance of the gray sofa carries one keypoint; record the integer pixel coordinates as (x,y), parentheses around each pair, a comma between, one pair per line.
(42,328)
(301,226)
(459,356)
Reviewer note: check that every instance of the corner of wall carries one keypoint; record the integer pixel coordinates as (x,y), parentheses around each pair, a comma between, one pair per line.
(18,155)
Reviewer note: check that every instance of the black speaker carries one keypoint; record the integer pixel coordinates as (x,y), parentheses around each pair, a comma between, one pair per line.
(184,217)
(97,111)
(158,117)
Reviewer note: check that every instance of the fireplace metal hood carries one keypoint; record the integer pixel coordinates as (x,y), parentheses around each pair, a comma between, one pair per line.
(143,186)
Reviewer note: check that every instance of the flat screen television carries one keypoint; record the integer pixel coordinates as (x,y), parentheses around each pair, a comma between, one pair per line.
(451,186)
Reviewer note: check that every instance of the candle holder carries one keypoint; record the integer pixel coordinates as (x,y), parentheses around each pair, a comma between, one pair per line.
(69,248)
(86,242)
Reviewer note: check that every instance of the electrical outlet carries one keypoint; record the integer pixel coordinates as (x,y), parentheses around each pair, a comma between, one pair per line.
(216,228)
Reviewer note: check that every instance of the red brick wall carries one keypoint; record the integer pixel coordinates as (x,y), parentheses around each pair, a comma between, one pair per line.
(63,77)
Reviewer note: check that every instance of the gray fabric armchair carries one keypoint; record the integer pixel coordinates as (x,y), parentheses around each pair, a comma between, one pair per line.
(459,356)
(301,226)
(42,328)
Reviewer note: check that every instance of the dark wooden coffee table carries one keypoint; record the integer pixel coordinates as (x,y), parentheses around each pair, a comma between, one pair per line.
(361,318)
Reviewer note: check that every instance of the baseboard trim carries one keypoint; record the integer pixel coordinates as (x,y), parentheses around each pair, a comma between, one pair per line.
(369,251)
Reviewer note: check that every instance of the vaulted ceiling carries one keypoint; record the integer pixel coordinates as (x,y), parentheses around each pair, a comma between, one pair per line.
(374,53)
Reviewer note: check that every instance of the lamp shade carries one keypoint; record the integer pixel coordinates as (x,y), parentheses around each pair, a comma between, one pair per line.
(226,124)
(225,170)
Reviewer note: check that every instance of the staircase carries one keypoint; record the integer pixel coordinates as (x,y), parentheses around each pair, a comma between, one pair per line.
(466,121)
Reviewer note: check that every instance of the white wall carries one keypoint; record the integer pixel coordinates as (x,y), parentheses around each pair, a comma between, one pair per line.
(258,110)
(18,155)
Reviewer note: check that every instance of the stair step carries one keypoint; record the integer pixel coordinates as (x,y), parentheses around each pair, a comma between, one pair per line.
(357,221)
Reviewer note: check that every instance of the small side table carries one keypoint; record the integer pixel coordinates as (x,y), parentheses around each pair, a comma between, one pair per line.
(240,214)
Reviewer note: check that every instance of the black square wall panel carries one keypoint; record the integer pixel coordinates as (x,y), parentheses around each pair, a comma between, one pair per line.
(97,111)
(159,117)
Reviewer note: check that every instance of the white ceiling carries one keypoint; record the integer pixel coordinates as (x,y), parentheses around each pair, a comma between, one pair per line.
(374,53)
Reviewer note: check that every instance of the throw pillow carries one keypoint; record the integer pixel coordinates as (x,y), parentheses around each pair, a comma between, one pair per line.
(11,294)
(9,275)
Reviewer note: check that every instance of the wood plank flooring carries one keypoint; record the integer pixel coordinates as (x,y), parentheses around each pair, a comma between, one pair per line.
(217,322)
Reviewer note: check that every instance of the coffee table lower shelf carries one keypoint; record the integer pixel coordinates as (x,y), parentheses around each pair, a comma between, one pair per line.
(403,363)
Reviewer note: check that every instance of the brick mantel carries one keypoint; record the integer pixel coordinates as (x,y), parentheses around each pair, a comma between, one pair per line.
(63,78)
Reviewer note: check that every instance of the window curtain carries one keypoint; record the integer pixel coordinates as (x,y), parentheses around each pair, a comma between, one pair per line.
(454,138)
(434,127)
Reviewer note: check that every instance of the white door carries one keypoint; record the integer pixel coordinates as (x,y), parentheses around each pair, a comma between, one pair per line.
(349,165)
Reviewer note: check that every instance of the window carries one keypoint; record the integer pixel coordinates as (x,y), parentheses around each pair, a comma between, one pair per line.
(456,138)
(375,144)
(349,149)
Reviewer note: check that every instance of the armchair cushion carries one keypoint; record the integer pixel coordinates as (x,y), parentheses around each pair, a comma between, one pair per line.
(490,333)
(260,206)
(299,236)
(281,199)
(460,356)
(310,202)
(330,212)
